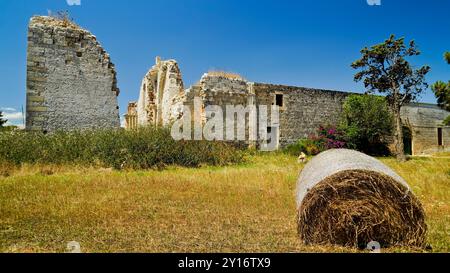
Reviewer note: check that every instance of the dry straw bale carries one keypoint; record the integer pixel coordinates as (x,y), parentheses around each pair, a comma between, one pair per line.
(348,198)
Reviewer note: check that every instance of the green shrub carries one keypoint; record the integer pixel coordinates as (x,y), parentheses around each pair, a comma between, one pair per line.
(367,124)
(140,149)
(307,146)
(301,146)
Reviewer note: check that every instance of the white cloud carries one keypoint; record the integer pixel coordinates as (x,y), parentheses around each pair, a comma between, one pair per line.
(73,2)
(374,2)
(7,109)
(12,116)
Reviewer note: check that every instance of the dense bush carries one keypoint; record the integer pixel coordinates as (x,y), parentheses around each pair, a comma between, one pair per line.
(326,137)
(140,149)
(367,124)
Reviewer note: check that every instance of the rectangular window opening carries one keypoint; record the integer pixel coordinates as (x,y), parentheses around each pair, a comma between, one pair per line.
(279,100)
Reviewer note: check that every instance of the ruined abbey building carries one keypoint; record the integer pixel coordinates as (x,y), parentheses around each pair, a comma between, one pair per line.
(302,110)
(71,81)
(72,85)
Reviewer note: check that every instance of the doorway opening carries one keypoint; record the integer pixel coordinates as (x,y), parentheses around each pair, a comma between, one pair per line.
(440,137)
(407,140)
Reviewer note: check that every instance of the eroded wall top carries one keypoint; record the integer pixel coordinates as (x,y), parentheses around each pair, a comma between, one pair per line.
(161,95)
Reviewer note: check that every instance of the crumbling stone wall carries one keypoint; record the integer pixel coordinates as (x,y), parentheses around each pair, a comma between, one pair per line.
(161,94)
(222,89)
(71,82)
(303,110)
(426,123)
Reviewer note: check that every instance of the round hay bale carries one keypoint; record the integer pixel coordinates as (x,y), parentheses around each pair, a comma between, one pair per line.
(347,198)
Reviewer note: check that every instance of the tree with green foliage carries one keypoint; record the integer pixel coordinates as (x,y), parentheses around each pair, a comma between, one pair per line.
(385,70)
(2,121)
(442,92)
(367,124)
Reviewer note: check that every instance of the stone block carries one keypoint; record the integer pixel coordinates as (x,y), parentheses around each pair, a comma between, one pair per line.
(32,98)
(37,109)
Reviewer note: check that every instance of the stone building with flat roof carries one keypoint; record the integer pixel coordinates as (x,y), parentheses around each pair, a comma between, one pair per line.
(426,133)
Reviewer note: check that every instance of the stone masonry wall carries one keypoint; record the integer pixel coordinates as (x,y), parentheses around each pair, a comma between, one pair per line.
(221,90)
(304,109)
(71,82)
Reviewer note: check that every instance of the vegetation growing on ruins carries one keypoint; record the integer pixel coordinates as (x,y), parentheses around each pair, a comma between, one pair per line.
(383,68)
(63,19)
(442,92)
(367,124)
(140,149)
(249,207)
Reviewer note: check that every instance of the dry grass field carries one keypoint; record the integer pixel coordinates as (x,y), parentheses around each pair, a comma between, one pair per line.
(244,208)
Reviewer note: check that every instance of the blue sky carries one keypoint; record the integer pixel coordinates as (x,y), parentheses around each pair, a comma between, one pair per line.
(307,43)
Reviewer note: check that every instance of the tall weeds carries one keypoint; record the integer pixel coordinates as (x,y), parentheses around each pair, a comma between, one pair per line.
(141,149)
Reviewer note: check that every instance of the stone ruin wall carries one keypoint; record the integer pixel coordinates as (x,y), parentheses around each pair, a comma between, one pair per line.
(299,117)
(161,95)
(303,109)
(71,82)
(216,89)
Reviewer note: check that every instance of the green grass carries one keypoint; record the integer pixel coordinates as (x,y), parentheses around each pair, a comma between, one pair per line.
(245,208)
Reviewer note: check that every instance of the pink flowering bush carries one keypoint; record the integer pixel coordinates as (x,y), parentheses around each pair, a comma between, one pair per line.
(329,137)
(326,138)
